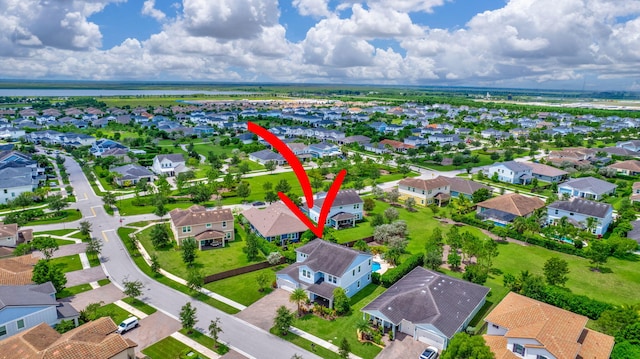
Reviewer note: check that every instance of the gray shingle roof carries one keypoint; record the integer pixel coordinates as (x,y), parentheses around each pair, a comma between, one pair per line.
(590,184)
(464,186)
(516,166)
(427,297)
(26,295)
(343,198)
(173,157)
(328,257)
(131,171)
(267,155)
(583,206)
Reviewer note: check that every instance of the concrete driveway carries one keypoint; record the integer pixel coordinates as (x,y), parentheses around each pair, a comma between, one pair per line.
(403,347)
(107,294)
(153,328)
(82,276)
(262,312)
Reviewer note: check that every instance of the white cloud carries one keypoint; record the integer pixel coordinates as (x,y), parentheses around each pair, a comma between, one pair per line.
(149,9)
(315,8)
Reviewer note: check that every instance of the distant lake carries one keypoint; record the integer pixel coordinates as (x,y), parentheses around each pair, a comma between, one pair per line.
(101,93)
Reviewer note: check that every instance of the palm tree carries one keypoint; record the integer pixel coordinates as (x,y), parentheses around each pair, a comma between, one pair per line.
(298,296)
(592,222)
(519,224)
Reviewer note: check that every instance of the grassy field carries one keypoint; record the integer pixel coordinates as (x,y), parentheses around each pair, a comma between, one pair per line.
(243,288)
(68,263)
(67,215)
(169,348)
(205,148)
(344,326)
(210,261)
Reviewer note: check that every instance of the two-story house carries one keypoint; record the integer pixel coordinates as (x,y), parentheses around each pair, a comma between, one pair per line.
(425,191)
(169,165)
(512,172)
(321,150)
(14,181)
(577,211)
(521,327)
(11,236)
(275,223)
(210,228)
(321,267)
(587,187)
(25,306)
(345,211)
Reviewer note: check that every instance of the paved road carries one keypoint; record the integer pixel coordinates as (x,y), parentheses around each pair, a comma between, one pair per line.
(241,336)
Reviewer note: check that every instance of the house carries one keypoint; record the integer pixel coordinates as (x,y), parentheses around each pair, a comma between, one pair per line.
(14,181)
(345,211)
(130,175)
(169,165)
(275,223)
(429,306)
(627,168)
(460,186)
(359,139)
(99,147)
(632,145)
(11,236)
(210,227)
(511,172)
(396,145)
(521,327)
(587,187)
(504,209)
(321,150)
(321,267)
(17,270)
(573,156)
(577,210)
(264,156)
(96,339)
(635,192)
(25,306)
(425,192)
(547,173)
(377,148)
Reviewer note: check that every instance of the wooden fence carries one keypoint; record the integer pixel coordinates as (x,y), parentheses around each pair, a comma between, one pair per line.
(238,271)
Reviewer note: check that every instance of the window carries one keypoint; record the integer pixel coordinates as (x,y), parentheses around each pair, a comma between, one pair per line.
(358,269)
(353,272)
(571,213)
(369,261)
(541,357)
(556,211)
(208,225)
(368,276)
(3,330)
(5,191)
(186,229)
(224,224)
(495,326)
(227,235)
(358,284)
(518,349)
(20,323)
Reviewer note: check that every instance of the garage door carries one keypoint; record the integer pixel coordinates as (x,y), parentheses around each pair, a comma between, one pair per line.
(286,285)
(430,338)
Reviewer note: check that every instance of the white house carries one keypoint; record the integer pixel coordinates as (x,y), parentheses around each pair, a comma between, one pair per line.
(169,165)
(345,211)
(577,211)
(587,187)
(512,172)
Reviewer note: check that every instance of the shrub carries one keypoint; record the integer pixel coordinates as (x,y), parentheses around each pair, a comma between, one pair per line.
(393,275)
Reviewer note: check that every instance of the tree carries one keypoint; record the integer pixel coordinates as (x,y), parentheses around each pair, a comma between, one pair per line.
(341,301)
(283,186)
(377,192)
(410,203)
(160,209)
(44,272)
(195,279)
(298,296)
(384,232)
(263,281)
(274,258)
(519,224)
(283,320)
(94,246)
(243,190)
(214,330)
(393,195)
(243,168)
(463,345)
(109,199)
(369,204)
(85,228)
(395,248)
(64,326)
(159,236)
(46,245)
(625,350)
(377,220)
(155,263)
(475,273)
(391,214)
(251,247)
(57,203)
(189,247)
(361,245)
(598,253)
(556,270)
(344,349)
(270,166)
(433,257)
(454,260)
(615,321)
(132,289)
(188,317)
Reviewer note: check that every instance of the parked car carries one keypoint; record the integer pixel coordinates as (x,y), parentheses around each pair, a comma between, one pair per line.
(127,325)
(429,353)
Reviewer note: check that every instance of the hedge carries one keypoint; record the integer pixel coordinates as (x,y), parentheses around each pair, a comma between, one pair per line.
(394,274)
(578,304)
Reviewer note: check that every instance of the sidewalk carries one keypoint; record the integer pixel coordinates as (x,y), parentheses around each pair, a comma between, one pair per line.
(195,345)
(130,309)
(321,342)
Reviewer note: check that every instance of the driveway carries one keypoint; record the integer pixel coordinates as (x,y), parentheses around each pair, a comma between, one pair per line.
(403,347)
(262,312)
(107,294)
(152,329)
(82,276)
(66,250)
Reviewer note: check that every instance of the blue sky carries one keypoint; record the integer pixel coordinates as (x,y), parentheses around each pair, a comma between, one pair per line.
(571,44)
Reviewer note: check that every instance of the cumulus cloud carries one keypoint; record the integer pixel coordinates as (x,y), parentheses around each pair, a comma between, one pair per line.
(149,9)
(315,8)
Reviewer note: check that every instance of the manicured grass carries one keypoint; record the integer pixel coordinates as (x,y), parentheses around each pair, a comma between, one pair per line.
(243,288)
(209,261)
(253,166)
(71,291)
(305,344)
(169,348)
(67,215)
(56,232)
(139,224)
(103,282)
(258,193)
(67,263)
(63,242)
(78,236)
(94,261)
(116,313)
(124,232)
(140,305)
(206,341)
(204,148)
(344,326)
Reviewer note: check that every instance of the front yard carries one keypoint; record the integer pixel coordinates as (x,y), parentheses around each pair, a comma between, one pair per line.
(244,288)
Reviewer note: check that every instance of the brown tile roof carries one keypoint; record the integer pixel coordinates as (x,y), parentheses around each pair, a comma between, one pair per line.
(544,170)
(513,203)
(8,230)
(274,220)
(498,345)
(93,340)
(425,184)
(596,344)
(17,270)
(636,185)
(195,215)
(557,330)
(396,144)
(630,165)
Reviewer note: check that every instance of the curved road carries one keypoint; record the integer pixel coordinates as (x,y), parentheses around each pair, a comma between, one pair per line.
(241,336)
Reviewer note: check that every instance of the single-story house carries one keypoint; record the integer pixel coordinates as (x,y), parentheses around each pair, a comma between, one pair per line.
(429,306)
(547,173)
(504,209)
(577,210)
(460,186)
(131,174)
(627,168)
(587,187)
(17,270)
(275,223)
(264,156)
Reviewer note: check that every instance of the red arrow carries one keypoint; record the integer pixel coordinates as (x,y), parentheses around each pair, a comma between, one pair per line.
(295,164)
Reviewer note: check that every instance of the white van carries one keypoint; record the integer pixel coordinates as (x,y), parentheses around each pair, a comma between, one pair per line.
(127,325)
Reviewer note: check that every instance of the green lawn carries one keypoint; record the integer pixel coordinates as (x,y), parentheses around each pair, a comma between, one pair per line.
(253,166)
(209,261)
(94,261)
(345,326)
(243,288)
(205,340)
(170,348)
(116,313)
(103,282)
(68,263)
(140,305)
(305,344)
(55,232)
(205,148)
(127,208)
(71,291)
(67,215)
(63,242)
